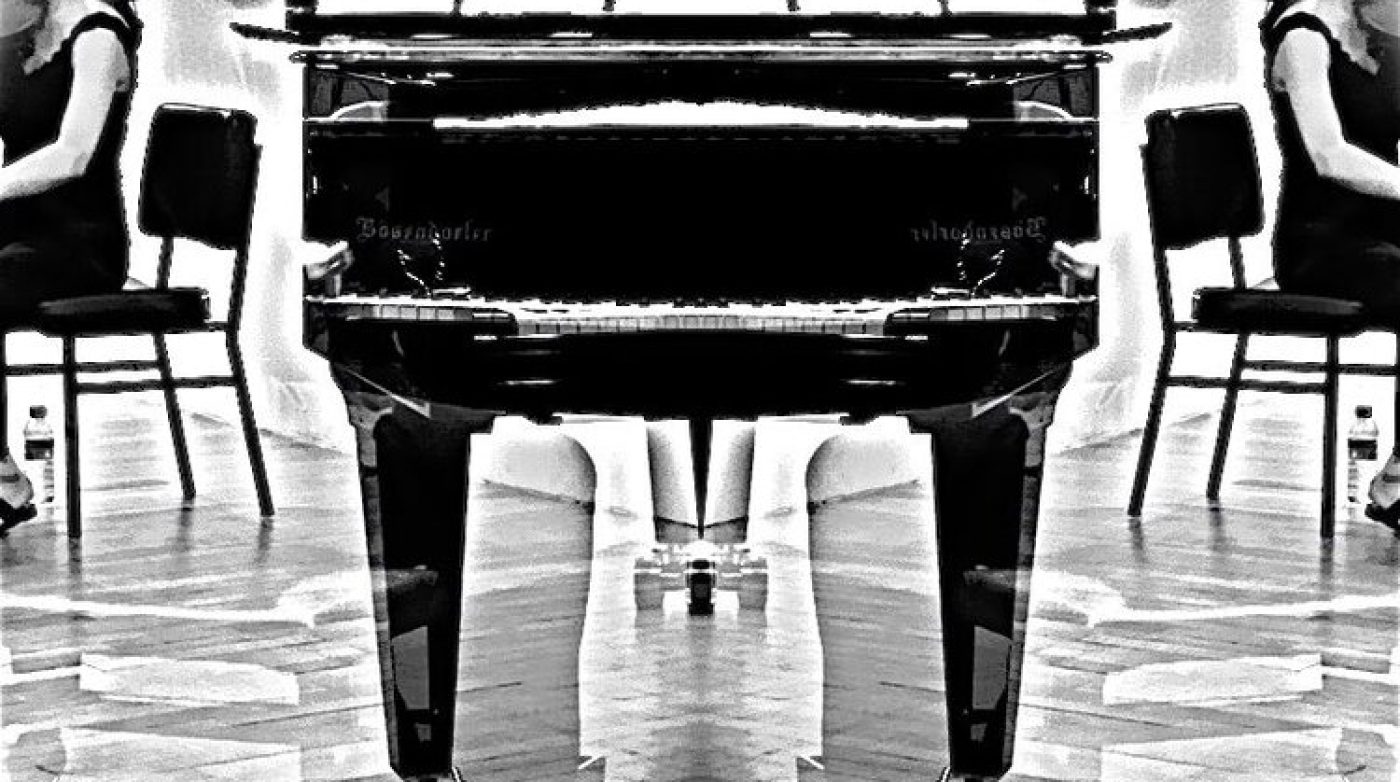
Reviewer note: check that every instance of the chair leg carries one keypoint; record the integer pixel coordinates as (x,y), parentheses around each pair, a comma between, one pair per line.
(250,427)
(1154,424)
(1329,438)
(1227,419)
(72,477)
(4,396)
(172,412)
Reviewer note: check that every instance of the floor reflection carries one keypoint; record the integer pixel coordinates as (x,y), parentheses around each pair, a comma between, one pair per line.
(235,660)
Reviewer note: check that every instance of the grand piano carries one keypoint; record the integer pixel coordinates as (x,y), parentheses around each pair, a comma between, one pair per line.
(634,210)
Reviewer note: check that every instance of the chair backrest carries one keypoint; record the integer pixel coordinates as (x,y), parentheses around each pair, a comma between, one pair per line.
(1202,175)
(199,182)
(200,175)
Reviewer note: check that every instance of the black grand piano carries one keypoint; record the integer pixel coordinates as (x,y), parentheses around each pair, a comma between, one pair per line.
(874,227)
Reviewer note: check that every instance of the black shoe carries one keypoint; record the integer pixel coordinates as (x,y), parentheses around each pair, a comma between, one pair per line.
(11,517)
(1388,515)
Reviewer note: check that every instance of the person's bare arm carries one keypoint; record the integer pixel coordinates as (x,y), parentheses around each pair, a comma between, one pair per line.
(1300,68)
(99,70)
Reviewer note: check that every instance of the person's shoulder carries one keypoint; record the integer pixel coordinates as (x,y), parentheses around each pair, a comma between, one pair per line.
(1322,18)
(70,20)
(93,14)
(1326,20)
(80,16)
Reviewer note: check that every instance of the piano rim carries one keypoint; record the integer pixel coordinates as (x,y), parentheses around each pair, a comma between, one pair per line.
(1089,28)
(409,51)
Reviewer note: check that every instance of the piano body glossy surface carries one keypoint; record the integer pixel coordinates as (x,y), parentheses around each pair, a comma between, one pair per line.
(859,222)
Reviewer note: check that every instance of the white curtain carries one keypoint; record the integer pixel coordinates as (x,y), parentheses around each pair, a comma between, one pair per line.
(1211,55)
(191,55)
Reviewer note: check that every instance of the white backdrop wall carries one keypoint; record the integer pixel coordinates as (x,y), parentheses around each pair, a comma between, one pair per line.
(1211,55)
(190,55)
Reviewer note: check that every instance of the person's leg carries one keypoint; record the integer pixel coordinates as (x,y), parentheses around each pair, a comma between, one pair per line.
(1368,271)
(1374,279)
(27,277)
(16,494)
(1384,492)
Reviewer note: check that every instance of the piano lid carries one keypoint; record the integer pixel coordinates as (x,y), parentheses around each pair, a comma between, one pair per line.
(421,21)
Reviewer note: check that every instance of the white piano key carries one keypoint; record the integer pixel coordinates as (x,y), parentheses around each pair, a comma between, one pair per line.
(351,7)
(534,317)
(532,6)
(1066,7)
(868,6)
(661,7)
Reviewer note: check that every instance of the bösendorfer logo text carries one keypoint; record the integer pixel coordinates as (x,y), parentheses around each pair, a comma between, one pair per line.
(467,231)
(936,232)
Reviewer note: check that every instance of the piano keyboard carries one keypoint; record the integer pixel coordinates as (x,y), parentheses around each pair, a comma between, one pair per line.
(872,318)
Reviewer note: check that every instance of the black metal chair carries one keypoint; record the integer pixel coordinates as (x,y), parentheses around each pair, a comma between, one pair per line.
(1203,183)
(198,184)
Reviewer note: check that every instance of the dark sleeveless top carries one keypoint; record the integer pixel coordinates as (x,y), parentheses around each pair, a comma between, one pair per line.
(1331,239)
(79,226)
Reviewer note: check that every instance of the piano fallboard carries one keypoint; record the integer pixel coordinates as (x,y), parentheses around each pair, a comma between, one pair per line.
(786,212)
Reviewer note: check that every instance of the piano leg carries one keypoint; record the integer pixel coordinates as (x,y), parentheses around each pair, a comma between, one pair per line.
(882,668)
(522,714)
(987,479)
(413,478)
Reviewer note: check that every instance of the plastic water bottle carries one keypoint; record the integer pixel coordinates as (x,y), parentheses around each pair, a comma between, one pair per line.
(1362,450)
(38,452)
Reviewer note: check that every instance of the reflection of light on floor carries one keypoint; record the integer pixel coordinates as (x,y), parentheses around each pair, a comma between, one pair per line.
(62,605)
(186,681)
(319,595)
(1214,681)
(1339,605)
(117,756)
(1257,757)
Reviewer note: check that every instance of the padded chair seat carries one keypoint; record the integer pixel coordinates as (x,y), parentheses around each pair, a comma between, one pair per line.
(1272,311)
(135,311)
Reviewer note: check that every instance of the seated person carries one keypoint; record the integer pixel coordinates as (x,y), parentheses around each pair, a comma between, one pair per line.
(67,68)
(1333,70)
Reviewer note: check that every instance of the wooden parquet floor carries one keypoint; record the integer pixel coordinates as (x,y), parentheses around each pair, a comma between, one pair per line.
(208,644)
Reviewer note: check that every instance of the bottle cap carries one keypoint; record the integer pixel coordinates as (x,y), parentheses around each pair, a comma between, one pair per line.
(1363,411)
(38,411)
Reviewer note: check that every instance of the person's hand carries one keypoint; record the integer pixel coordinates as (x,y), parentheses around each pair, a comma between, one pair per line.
(1071,261)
